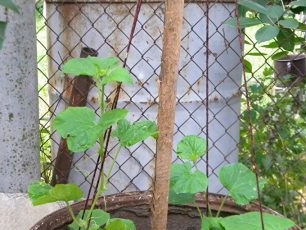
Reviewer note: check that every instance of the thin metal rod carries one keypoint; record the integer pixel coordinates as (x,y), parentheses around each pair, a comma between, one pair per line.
(250,123)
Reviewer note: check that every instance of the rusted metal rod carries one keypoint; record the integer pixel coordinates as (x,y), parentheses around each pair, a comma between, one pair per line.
(166,110)
(78,97)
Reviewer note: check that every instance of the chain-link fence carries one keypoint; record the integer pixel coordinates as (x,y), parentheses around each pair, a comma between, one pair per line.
(276,100)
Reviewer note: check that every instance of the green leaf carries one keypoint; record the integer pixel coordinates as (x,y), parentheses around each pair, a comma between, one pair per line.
(211,223)
(90,66)
(122,224)
(279,55)
(289,23)
(191,148)
(98,218)
(38,190)
(247,66)
(2,33)
(251,221)
(301,3)
(275,11)
(244,22)
(266,33)
(80,127)
(129,135)
(181,198)
(42,193)
(118,75)
(183,180)
(112,117)
(80,67)
(240,181)
(285,39)
(252,5)
(104,63)
(10,5)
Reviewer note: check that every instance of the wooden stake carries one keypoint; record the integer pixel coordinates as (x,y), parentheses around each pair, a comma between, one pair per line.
(166,111)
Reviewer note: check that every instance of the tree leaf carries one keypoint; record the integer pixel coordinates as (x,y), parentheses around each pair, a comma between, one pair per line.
(244,22)
(191,148)
(285,39)
(183,180)
(251,221)
(247,66)
(2,33)
(266,33)
(289,23)
(10,5)
(301,3)
(42,193)
(279,55)
(129,135)
(98,218)
(122,224)
(252,5)
(117,75)
(240,181)
(80,127)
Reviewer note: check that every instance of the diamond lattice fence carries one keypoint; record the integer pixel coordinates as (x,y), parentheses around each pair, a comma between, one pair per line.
(277,102)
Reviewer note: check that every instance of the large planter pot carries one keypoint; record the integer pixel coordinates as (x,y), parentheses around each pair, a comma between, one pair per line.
(290,70)
(136,206)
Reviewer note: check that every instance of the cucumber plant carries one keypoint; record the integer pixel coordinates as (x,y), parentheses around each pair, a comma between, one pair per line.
(82,129)
(187,180)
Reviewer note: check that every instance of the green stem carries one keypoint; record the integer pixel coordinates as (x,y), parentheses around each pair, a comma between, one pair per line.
(72,213)
(221,206)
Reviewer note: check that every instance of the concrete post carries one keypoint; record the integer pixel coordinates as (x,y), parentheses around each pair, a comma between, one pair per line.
(19,130)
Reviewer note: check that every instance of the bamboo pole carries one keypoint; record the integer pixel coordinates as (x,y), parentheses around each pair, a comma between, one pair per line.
(166,110)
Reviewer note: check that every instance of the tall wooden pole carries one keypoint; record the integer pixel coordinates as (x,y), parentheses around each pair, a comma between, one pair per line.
(166,111)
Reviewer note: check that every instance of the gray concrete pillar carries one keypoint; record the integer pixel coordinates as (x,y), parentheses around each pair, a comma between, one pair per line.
(19,123)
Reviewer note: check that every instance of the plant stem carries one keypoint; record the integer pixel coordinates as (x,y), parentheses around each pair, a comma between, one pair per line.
(71,213)
(221,206)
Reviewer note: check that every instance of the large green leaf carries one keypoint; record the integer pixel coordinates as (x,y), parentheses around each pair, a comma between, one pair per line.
(297,3)
(247,66)
(244,22)
(118,74)
(10,5)
(184,180)
(285,39)
(191,148)
(130,134)
(42,193)
(240,181)
(122,224)
(266,33)
(251,221)
(90,66)
(80,66)
(81,128)
(252,5)
(2,33)
(289,23)
(181,198)
(98,218)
